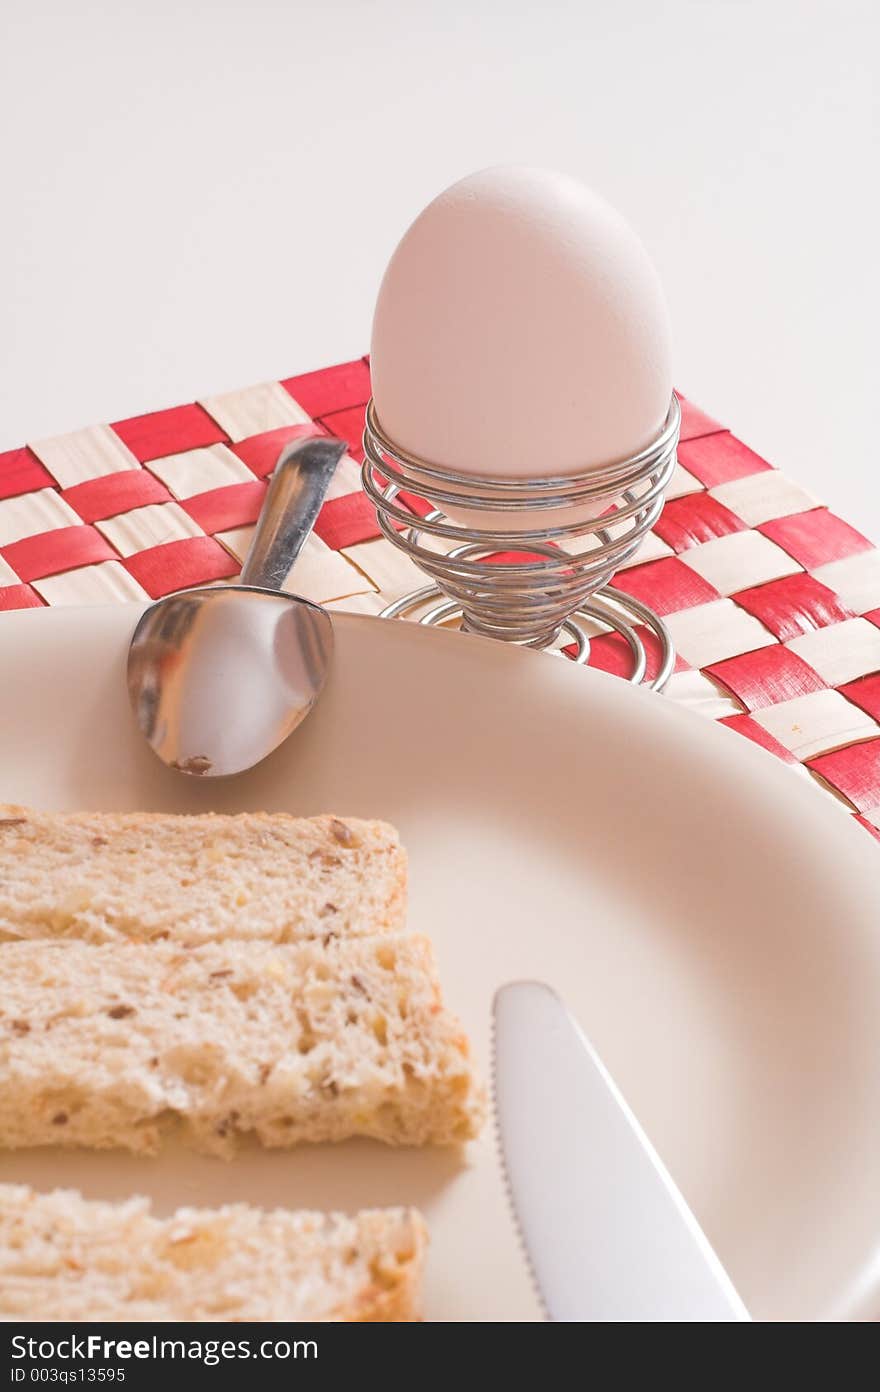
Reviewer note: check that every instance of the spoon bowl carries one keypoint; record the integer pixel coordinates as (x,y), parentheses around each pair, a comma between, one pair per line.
(219,676)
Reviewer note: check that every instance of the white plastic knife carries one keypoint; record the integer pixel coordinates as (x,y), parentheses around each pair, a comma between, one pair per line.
(607,1234)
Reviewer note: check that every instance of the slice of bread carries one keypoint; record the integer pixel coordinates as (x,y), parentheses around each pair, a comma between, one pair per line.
(63,1257)
(108,877)
(105,1046)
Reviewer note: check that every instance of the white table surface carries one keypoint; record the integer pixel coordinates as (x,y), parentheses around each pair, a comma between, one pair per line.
(199,197)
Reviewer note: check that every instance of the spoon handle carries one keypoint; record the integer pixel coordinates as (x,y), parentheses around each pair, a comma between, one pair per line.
(299,483)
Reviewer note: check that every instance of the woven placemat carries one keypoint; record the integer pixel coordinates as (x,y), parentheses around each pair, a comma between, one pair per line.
(773,602)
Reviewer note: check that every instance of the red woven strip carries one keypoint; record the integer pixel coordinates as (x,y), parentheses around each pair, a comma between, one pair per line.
(864,693)
(420,506)
(67,548)
(19,597)
(114,493)
(177,564)
(169,432)
(694,519)
(854,771)
(260,452)
(863,821)
(766,677)
(695,422)
(793,605)
(715,459)
(816,537)
(612,653)
(236,505)
(22,472)
(745,725)
(347,521)
(874,616)
(667,585)
(333,389)
(348,425)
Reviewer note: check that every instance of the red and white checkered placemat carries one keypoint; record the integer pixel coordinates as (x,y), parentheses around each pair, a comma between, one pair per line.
(772,601)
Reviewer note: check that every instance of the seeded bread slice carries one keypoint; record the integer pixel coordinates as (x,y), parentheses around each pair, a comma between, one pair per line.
(108,877)
(106,1046)
(63,1257)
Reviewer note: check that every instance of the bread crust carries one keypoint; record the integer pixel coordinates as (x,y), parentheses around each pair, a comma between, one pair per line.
(120,1044)
(63,1257)
(150,876)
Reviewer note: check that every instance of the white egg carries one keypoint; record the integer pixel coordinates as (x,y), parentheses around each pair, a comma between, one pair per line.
(521,331)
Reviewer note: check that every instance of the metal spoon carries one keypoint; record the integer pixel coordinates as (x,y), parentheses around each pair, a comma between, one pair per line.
(219,676)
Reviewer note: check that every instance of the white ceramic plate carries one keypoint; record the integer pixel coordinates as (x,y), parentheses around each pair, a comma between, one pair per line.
(710,918)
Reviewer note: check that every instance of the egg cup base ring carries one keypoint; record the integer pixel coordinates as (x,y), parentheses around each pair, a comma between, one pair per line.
(618,612)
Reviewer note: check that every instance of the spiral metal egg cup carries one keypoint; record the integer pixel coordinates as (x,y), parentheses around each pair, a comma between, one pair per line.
(528,583)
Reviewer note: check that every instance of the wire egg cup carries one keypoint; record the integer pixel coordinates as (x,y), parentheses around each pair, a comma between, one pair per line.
(528,583)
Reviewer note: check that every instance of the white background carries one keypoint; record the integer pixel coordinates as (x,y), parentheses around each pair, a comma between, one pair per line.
(203,195)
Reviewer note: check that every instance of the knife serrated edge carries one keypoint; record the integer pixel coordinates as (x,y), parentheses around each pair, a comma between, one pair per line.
(738,1303)
(508,1187)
